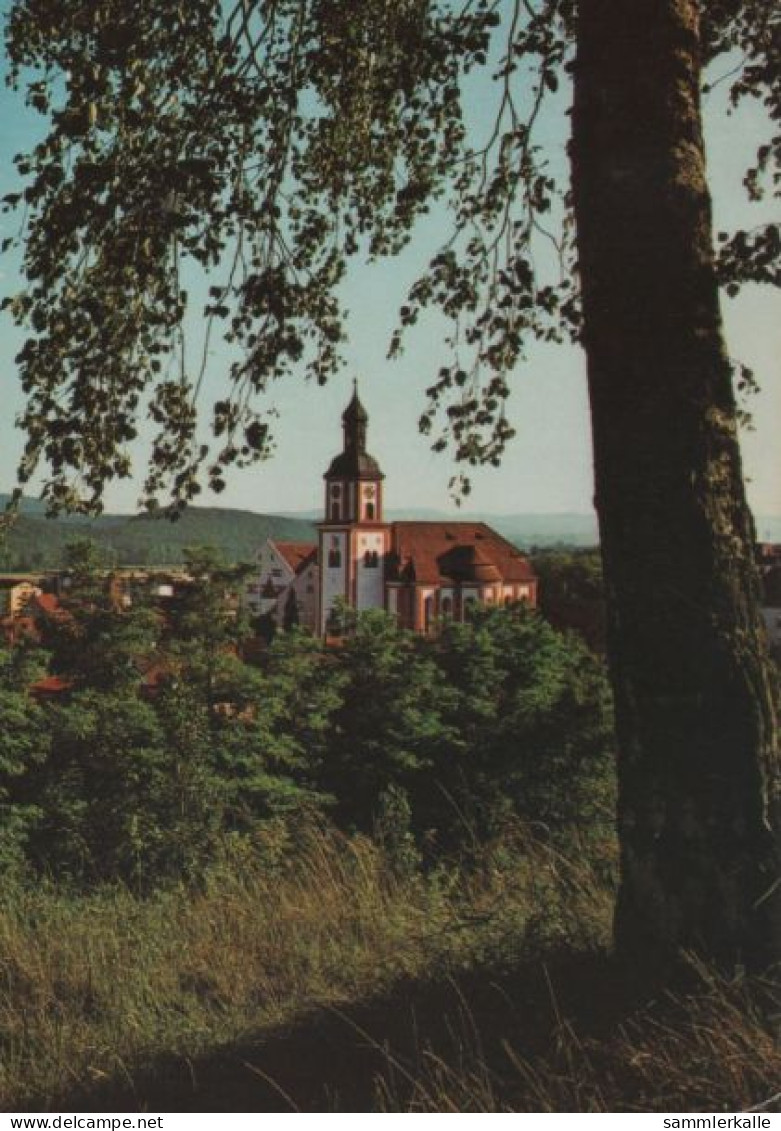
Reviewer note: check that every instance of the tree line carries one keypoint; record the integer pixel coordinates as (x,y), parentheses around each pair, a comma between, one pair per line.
(164,747)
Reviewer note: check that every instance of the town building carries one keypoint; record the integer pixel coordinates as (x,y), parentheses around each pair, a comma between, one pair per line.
(16,592)
(422,572)
(285,586)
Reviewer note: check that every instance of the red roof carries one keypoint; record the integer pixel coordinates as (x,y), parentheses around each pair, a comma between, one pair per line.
(298,555)
(50,685)
(48,603)
(14,628)
(444,553)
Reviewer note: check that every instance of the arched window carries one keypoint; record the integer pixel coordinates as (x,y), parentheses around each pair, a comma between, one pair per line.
(336,510)
(371,559)
(428,613)
(369,511)
(334,558)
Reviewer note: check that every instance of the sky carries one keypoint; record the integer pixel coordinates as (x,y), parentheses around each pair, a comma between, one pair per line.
(547,466)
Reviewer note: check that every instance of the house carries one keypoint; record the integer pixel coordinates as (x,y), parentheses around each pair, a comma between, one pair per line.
(16,592)
(285,586)
(421,572)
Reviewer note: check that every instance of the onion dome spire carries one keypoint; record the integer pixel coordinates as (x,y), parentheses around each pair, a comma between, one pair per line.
(354,462)
(354,421)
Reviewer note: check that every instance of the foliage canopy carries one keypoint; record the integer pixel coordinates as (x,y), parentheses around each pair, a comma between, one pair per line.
(165,749)
(267,144)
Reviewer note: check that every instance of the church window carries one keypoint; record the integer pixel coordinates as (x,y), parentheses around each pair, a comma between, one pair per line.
(334,559)
(371,559)
(370,511)
(336,510)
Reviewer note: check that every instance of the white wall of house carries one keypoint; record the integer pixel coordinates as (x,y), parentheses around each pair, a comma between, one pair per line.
(271,566)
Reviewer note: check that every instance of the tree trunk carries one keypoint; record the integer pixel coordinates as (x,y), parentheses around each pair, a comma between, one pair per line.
(698,743)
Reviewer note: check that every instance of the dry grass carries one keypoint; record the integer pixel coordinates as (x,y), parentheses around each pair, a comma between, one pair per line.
(97,986)
(712,1049)
(474,991)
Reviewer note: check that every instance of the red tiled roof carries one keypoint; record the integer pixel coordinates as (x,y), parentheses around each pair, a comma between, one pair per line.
(155,676)
(446,552)
(15,627)
(48,603)
(50,685)
(20,624)
(297,554)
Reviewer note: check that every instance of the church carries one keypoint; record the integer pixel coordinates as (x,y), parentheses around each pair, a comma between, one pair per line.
(421,572)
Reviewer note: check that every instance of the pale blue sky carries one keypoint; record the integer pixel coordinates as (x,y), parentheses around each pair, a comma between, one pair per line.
(547,467)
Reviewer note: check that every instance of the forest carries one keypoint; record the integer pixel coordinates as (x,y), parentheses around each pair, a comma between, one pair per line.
(34,542)
(163,746)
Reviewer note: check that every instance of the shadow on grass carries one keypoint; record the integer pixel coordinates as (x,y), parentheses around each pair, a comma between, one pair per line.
(342,1060)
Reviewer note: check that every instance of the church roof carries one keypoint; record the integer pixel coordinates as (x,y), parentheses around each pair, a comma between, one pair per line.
(447,553)
(354,464)
(355,410)
(298,555)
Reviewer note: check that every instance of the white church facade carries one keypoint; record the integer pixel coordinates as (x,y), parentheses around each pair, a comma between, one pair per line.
(421,572)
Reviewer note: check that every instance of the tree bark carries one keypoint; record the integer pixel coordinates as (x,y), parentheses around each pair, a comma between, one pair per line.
(697,732)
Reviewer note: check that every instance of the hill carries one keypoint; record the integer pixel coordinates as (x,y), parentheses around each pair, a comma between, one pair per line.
(35,542)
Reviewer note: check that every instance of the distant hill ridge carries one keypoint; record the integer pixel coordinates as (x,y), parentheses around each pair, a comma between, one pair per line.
(35,542)
(525,530)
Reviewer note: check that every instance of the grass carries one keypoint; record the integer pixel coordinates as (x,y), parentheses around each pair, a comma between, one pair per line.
(708,1050)
(94,989)
(310,975)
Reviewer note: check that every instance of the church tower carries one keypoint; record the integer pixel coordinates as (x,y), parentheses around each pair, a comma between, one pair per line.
(353,538)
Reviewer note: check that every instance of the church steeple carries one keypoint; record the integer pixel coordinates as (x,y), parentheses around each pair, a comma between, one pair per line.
(354,480)
(353,539)
(354,421)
